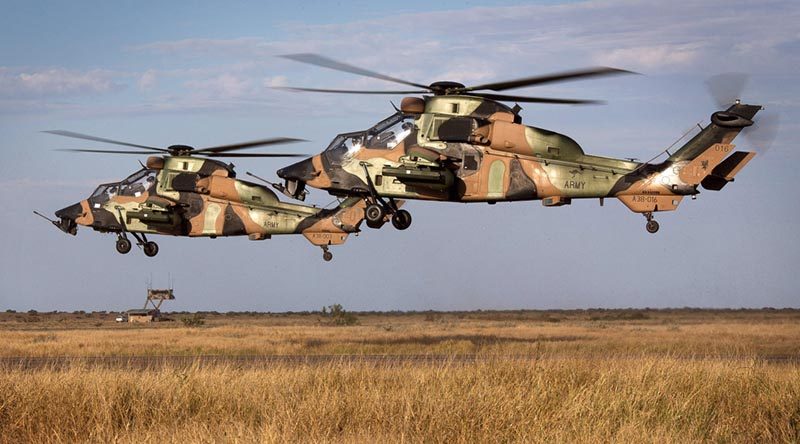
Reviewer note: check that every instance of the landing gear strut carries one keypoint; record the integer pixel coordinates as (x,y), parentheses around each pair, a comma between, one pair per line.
(326,255)
(378,208)
(652,225)
(123,244)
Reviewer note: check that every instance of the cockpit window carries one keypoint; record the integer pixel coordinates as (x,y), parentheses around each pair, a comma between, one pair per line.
(344,146)
(386,134)
(390,131)
(104,192)
(137,183)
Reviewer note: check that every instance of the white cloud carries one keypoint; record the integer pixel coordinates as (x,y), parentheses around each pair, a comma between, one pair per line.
(473,45)
(148,80)
(57,82)
(651,57)
(223,86)
(276,81)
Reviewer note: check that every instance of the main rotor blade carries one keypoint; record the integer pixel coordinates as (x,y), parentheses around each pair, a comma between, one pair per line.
(325,62)
(112,151)
(346,91)
(251,144)
(254,155)
(101,139)
(525,99)
(550,78)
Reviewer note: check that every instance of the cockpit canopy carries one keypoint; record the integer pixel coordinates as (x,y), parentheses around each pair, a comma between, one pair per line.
(386,134)
(134,185)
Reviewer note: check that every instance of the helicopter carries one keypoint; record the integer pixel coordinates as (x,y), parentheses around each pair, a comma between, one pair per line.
(458,143)
(184,191)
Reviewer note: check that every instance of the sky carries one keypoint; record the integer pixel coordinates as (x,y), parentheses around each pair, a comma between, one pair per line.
(201,73)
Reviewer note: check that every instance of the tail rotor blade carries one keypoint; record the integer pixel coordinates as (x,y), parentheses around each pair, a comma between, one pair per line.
(763,132)
(726,88)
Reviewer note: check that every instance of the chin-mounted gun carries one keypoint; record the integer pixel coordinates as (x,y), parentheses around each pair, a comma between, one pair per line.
(64,224)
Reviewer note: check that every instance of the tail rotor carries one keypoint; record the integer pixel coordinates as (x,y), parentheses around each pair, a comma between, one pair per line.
(726,90)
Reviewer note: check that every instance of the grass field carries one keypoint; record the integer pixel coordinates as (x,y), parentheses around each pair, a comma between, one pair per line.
(575,376)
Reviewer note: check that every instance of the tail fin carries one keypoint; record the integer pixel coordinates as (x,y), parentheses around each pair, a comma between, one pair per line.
(703,157)
(724,127)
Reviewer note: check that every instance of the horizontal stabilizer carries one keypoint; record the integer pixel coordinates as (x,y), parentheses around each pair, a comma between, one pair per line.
(727,170)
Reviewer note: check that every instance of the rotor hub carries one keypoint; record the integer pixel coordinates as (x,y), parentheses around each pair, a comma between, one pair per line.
(180,150)
(445,87)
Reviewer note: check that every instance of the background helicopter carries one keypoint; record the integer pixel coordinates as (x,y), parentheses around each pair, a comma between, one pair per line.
(181,194)
(461,144)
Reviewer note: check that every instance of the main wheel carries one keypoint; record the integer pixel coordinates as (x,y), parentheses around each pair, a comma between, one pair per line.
(401,219)
(374,213)
(327,256)
(150,249)
(652,226)
(123,245)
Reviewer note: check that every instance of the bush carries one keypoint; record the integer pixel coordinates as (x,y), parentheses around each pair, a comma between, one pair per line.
(194,321)
(338,316)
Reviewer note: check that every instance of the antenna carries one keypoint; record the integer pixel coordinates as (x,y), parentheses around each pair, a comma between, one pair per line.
(669,147)
(261,179)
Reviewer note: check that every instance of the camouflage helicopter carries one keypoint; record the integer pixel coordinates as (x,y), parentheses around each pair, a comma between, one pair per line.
(180,194)
(458,143)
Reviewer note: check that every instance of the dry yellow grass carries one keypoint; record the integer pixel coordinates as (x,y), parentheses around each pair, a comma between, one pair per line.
(609,380)
(648,400)
(685,335)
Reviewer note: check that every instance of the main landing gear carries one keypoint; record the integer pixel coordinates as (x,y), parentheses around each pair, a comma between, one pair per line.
(377,208)
(124,245)
(652,225)
(375,214)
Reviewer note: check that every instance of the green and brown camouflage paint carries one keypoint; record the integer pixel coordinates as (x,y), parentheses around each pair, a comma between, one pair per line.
(469,149)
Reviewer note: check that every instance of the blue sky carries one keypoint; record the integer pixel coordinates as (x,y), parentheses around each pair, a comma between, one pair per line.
(201,73)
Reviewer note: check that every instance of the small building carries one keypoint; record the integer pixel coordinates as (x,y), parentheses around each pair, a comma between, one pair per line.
(142,315)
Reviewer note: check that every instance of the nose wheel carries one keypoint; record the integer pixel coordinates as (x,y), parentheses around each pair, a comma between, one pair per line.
(652,225)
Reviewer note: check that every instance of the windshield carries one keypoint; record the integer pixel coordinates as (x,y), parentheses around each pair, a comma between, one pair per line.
(137,183)
(386,134)
(134,185)
(344,146)
(389,132)
(104,192)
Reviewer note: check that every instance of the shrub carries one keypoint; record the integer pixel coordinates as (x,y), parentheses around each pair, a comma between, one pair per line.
(193,321)
(337,315)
